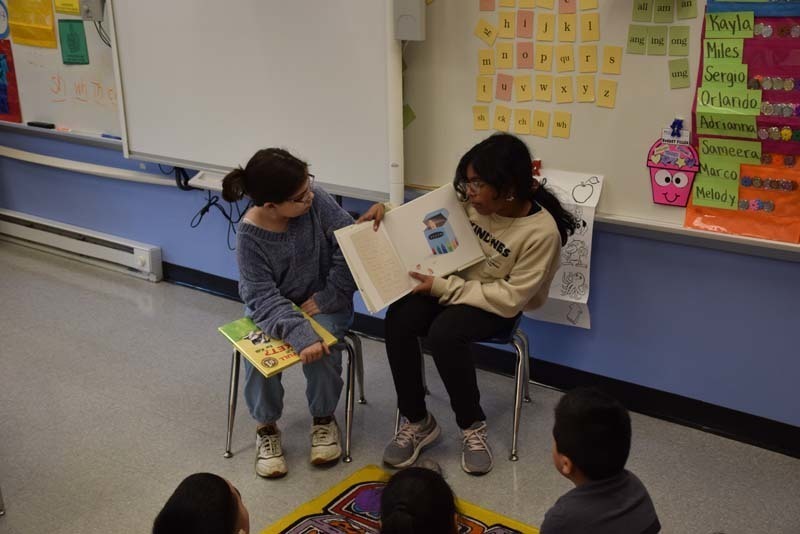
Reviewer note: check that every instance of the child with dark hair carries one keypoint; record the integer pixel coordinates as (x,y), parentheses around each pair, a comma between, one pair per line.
(203,503)
(521,227)
(287,256)
(417,500)
(592,439)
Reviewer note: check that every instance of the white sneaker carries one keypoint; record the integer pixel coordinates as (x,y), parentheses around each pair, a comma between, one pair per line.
(325,447)
(269,455)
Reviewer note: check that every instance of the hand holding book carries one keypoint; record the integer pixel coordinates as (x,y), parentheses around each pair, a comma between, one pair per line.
(314,352)
(431,235)
(374,213)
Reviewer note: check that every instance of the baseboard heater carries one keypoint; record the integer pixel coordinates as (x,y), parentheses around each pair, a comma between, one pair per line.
(131,257)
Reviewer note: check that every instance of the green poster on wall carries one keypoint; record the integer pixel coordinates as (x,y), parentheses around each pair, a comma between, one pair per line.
(73,42)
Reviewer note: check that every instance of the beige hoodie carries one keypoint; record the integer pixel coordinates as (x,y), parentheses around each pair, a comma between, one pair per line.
(522,256)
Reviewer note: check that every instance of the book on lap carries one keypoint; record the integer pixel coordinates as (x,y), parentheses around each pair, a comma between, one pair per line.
(267,354)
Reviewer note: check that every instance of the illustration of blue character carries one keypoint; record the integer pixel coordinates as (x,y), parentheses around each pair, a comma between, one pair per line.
(440,236)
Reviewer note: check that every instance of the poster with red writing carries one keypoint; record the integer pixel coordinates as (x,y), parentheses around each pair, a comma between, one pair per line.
(9,96)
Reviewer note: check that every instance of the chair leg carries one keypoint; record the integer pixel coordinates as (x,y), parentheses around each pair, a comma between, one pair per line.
(352,362)
(396,421)
(233,394)
(2,505)
(356,342)
(526,349)
(519,376)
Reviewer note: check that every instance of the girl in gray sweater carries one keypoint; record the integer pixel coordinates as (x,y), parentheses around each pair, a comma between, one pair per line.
(287,256)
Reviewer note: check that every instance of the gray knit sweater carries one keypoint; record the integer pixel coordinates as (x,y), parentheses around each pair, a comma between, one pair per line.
(277,269)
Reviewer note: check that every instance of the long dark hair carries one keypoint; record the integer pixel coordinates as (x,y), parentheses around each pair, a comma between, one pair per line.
(504,162)
(271,175)
(417,500)
(202,504)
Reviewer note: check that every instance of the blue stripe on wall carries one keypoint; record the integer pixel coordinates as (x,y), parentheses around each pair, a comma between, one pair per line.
(709,325)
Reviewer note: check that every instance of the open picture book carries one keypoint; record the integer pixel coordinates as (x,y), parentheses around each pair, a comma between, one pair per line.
(429,235)
(267,354)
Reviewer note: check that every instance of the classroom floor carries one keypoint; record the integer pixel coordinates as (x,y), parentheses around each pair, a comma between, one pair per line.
(112,389)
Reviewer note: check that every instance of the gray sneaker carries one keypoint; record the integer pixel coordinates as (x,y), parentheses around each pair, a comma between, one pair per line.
(409,441)
(476,456)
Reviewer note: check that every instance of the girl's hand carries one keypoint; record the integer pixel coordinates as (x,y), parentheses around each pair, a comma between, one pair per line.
(425,283)
(314,352)
(310,306)
(374,213)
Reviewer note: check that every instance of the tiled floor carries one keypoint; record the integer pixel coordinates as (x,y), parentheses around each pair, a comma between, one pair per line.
(112,389)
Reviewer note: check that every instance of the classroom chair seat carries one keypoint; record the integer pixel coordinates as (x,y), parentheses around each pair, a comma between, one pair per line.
(515,337)
(355,373)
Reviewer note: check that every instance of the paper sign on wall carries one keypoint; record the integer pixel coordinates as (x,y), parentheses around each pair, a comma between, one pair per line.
(569,292)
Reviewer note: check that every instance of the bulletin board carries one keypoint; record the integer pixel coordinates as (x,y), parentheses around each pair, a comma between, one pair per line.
(440,88)
(79,96)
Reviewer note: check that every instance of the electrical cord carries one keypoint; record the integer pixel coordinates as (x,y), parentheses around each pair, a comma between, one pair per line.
(161,168)
(102,33)
(182,179)
(212,201)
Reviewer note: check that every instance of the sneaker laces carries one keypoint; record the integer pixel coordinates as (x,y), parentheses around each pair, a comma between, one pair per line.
(269,445)
(407,432)
(321,435)
(475,439)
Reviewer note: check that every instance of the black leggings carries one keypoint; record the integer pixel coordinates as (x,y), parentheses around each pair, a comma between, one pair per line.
(449,331)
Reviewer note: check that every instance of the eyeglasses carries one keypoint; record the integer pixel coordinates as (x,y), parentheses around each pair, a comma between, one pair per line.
(473,186)
(302,199)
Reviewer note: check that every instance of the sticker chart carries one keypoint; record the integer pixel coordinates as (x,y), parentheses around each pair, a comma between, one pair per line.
(747,123)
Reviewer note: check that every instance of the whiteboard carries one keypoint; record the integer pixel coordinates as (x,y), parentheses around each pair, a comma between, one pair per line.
(80,97)
(440,83)
(205,84)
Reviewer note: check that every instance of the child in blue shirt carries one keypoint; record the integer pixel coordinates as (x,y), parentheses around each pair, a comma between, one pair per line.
(288,255)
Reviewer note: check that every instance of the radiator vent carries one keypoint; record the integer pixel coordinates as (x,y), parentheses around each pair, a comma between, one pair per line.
(105,250)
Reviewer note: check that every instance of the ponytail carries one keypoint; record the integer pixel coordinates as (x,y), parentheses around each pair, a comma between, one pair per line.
(271,175)
(565,221)
(233,188)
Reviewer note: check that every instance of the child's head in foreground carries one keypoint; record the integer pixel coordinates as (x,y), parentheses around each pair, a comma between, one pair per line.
(416,501)
(203,503)
(592,435)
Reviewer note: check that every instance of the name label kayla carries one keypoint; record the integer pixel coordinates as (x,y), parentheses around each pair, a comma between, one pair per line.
(729,25)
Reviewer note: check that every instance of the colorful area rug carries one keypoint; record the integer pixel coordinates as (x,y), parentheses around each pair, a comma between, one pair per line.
(353,507)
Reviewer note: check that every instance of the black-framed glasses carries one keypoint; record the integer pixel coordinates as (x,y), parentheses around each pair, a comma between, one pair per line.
(473,186)
(302,199)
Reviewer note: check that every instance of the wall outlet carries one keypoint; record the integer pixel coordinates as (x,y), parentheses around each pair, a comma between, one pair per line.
(92,10)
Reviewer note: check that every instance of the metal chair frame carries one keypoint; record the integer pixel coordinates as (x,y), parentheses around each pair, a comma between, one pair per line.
(355,373)
(522,373)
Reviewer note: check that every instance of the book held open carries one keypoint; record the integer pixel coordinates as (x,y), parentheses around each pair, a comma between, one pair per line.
(430,235)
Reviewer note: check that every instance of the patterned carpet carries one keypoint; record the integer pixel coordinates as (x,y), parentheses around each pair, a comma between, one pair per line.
(353,506)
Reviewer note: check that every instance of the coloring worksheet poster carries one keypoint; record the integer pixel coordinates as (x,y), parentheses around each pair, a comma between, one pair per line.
(569,292)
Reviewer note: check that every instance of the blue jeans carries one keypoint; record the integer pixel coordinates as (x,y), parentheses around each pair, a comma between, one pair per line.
(264,396)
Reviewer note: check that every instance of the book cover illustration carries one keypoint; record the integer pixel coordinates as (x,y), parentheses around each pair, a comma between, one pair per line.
(267,354)
(439,233)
